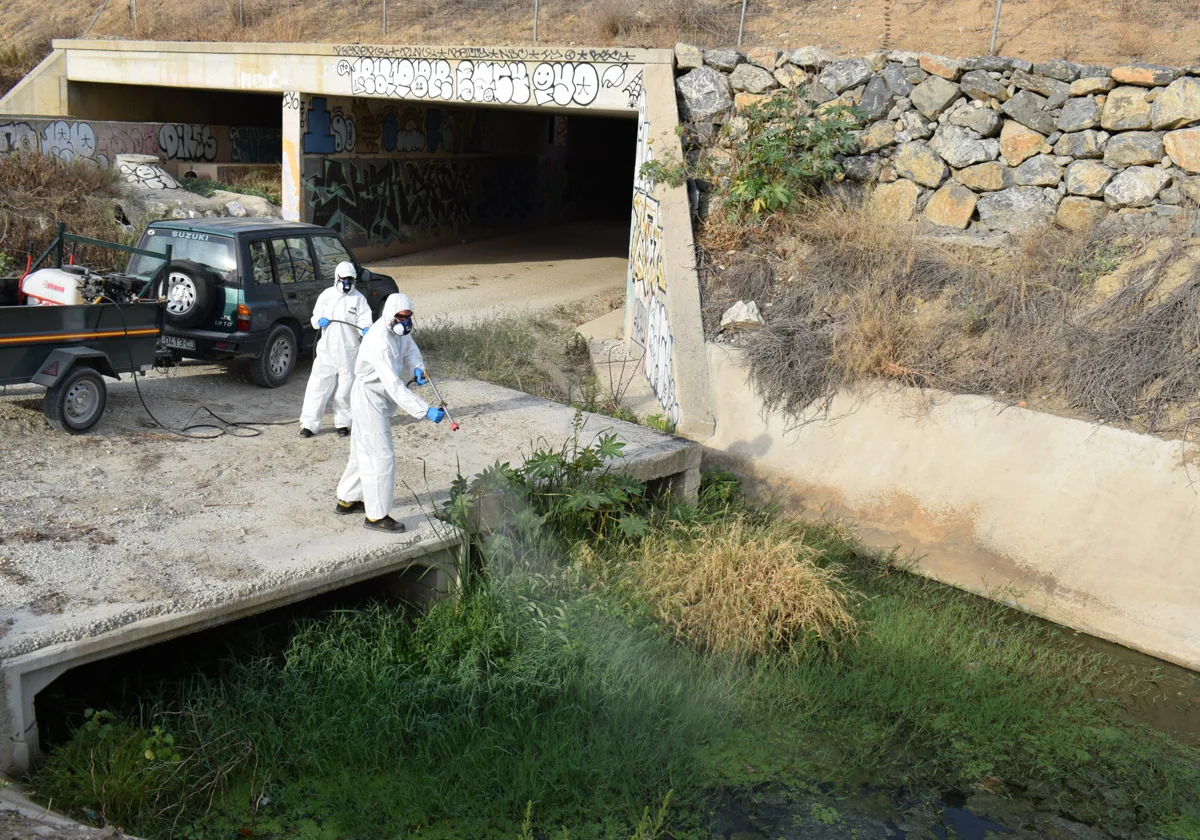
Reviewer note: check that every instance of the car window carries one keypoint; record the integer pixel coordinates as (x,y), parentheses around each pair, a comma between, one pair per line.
(260,263)
(330,252)
(208,249)
(302,262)
(291,259)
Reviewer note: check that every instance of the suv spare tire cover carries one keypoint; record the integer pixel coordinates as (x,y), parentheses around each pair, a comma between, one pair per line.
(191,290)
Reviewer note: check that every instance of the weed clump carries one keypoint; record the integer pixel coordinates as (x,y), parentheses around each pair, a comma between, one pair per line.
(38,191)
(743,589)
(853,300)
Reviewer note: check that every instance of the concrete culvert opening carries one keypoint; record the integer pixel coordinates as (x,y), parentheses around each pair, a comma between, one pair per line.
(473,208)
(122,684)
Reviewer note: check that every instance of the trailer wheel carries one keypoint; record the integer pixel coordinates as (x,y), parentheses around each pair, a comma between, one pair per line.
(76,402)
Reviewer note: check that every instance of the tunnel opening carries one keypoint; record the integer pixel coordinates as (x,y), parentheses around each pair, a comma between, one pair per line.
(225,136)
(470,208)
(122,684)
(396,177)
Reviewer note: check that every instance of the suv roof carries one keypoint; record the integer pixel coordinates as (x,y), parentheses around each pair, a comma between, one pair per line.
(233,226)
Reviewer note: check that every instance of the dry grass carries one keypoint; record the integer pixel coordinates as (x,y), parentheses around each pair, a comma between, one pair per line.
(742,588)
(661,24)
(38,191)
(851,301)
(18,59)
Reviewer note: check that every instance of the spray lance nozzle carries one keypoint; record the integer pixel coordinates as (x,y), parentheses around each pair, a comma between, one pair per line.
(441,400)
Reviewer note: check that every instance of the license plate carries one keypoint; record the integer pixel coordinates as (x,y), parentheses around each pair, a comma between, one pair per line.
(174,343)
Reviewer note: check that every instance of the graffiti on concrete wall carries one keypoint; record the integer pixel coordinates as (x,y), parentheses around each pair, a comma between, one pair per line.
(18,137)
(100,142)
(146,176)
(398,78)
(646,295)
(255,145)
(191,143)
(339,125)
(379,201)
(503,82)
(376,202)
(330,131)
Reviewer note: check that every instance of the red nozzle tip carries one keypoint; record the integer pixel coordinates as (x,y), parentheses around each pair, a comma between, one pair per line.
(454,427)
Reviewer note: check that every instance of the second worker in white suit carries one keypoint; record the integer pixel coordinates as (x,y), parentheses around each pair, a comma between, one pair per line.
(387,359)
(343,316)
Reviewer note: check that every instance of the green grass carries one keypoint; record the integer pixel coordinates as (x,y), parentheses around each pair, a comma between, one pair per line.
(544,697)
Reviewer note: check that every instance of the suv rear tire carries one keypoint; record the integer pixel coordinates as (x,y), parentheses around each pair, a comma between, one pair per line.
(190,290)
(75,403)
(278,359)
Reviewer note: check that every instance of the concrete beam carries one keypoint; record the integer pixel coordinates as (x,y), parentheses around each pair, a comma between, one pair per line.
(26,676)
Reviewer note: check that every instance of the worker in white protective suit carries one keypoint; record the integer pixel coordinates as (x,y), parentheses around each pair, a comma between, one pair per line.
(343,316)
(387,359)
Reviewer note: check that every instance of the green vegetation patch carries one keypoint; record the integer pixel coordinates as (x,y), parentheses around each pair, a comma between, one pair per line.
(555,692)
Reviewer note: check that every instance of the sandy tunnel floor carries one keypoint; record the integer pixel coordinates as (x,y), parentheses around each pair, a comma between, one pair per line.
(528,271)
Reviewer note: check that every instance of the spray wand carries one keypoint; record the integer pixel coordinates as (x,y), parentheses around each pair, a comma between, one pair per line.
(442,403)
(441,400)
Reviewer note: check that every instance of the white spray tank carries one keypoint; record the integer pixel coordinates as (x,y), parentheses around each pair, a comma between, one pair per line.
(54,287)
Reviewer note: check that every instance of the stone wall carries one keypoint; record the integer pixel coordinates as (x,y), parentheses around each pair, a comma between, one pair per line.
(986,144)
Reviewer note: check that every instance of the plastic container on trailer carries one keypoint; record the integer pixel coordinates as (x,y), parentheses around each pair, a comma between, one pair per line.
(53,287)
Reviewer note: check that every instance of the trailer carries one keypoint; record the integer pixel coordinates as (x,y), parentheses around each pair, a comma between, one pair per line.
(69,349)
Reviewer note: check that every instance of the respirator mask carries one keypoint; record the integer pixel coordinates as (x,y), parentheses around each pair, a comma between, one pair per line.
(402,326)
(345,284)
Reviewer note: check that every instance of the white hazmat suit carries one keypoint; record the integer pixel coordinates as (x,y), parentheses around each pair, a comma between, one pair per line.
(348,314)
(386,361)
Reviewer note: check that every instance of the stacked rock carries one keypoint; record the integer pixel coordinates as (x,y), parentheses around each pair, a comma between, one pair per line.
(988,143)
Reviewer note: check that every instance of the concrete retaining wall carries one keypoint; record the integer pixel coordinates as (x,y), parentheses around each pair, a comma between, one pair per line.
(1092,527)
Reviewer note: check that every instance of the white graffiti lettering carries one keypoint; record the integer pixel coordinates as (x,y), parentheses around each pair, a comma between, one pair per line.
(18,137)
(68,141)
(400,77)
(490,81)
(646,291)
(147,176)
(192,143)
(562,84)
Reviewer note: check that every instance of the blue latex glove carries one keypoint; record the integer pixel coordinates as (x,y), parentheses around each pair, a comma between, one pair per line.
(420,375)
(365,330)
(323,323)
(437,415)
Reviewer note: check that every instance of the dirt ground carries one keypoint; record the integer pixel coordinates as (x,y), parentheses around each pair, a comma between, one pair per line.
(541,269)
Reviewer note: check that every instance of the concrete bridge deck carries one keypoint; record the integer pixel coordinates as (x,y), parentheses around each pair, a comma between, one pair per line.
(127,537)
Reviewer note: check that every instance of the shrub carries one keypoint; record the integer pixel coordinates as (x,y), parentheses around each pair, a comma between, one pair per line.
(743,588)
(38,191)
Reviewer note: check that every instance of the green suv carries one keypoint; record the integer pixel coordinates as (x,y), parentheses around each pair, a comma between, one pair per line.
(245,288)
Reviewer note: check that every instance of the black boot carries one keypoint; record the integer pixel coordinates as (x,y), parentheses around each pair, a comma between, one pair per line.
(387,524)
(343,432)
(306,433)
(349,507)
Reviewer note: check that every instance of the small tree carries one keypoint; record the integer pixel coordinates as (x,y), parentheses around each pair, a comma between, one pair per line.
(778,149)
